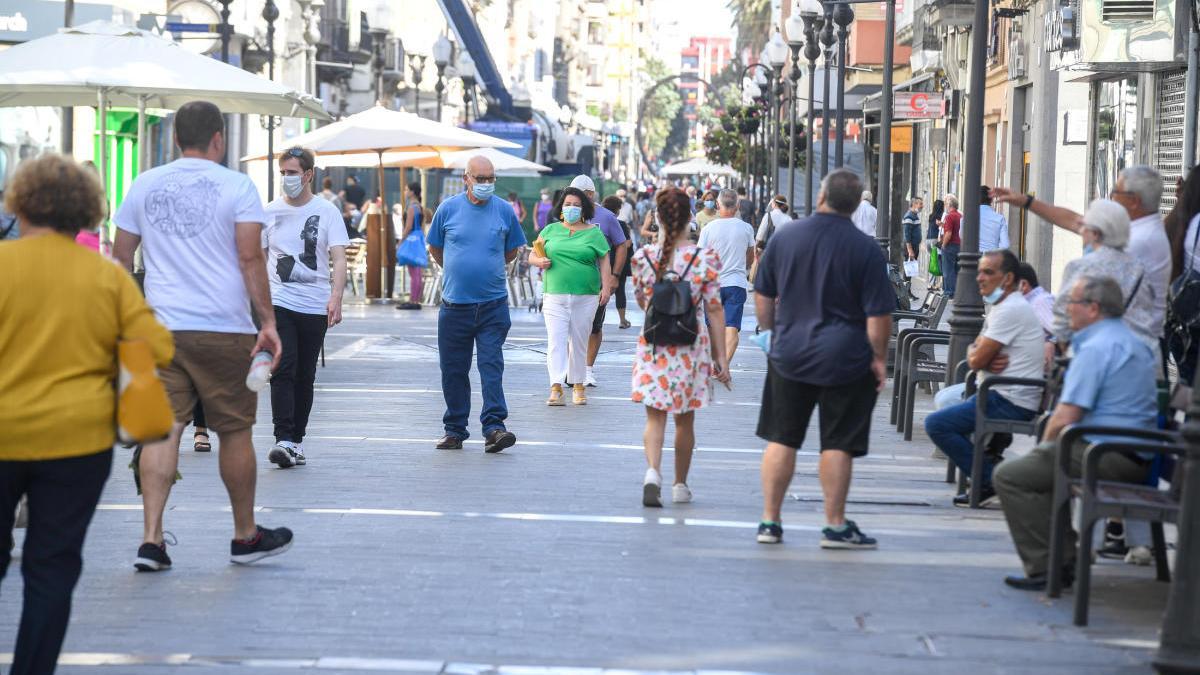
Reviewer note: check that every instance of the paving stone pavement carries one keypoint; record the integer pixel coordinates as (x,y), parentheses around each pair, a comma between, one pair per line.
(542,560)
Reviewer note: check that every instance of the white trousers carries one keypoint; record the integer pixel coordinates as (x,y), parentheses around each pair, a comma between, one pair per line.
(568,326)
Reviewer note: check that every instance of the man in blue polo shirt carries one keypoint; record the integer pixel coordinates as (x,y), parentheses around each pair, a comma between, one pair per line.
(473,236)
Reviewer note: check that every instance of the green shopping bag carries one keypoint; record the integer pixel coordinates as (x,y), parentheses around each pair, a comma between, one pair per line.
(935,264)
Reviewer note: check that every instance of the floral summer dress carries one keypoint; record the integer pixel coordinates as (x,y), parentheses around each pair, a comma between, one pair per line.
(676,379)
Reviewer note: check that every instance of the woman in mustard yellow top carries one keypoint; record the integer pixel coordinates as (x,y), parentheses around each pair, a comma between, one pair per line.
(64,310)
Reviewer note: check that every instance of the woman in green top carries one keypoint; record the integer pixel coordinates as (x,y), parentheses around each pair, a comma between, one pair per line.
(574,257)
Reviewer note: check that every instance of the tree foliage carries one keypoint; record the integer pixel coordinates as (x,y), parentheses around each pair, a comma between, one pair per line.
(752,19)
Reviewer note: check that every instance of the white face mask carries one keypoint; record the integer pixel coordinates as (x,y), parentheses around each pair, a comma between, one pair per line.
(292,185)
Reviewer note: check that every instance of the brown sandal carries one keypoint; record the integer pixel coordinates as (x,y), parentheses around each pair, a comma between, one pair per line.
(202,445)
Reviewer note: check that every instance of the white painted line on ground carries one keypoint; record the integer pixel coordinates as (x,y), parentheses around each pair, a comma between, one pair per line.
(355,347)
(348,663)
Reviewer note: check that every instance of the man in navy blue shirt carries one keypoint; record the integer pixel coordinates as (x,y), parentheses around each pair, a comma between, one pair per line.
(822,291)
(473,236)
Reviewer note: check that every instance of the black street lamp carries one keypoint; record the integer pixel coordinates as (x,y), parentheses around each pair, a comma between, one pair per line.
(416,63)
(269,14)
(810,12)
(750,94)
(466,70)
(442,51)
(843,14)
(777,53)
(827,42)
(225,30)
(764,133)
(379,47)
(1179,647)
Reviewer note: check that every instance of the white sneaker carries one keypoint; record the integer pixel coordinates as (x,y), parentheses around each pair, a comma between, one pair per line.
(282,455)
(298,455)
(1139,555)
(681,493)
(590,380)
(652,489)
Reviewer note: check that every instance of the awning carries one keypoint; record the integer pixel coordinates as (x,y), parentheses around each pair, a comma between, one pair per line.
(871,102)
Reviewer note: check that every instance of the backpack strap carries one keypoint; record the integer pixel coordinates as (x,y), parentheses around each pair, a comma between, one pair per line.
(1133,293)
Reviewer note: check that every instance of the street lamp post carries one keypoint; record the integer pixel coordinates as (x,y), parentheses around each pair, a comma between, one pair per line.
(810,12)
(1179,647)
(466,70)
(777,52)
(795,35)
(269,14)
(967,318)
(764,130)
(442,51)
(827,41)
(416,63)
(843,14)
(884,234)
(225,30)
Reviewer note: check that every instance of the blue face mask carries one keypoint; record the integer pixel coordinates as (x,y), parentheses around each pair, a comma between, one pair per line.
(994,297)
(572,214)
(483,190)
(1088,248)
(710,204)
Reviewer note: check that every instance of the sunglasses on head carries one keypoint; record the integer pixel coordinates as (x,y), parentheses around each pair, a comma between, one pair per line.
(296,152)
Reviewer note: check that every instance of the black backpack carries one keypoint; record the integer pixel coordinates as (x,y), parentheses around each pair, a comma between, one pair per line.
(671,316)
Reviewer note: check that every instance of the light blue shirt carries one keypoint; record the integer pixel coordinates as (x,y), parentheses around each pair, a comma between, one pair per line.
(1112,377)
(474,239)
(993,229)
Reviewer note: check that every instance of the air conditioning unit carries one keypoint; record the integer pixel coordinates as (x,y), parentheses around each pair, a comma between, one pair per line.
(1130,35)
(1016,55)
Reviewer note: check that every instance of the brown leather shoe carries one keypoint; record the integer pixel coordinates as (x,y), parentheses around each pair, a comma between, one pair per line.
(450,442)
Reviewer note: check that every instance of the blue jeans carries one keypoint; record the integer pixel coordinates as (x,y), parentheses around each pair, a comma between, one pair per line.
(949,263)
(484,328)
(951,429)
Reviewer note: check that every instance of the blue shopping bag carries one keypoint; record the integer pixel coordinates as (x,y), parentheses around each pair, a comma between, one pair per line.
(411,252)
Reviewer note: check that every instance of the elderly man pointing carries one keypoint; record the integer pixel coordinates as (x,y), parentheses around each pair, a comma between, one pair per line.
(473,236)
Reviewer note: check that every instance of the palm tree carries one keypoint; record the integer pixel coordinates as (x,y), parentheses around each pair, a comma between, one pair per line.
(752,18)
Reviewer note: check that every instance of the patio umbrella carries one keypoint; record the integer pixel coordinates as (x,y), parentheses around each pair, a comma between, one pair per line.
(107,64)
(504,163)
(697,167)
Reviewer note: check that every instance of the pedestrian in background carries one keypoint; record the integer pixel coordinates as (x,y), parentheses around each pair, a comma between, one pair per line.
(732,239)
(950,244)
(993,228)
(576,281)
(708,212)
(517,207)
(473,237)
(619,246)
(303,235)
(933,233)
(414,220)
(866,215)
(745,206)
(823,294)
(66,308)
(541,214)
(675,380)
(200,228)
(912,228)
(614,204)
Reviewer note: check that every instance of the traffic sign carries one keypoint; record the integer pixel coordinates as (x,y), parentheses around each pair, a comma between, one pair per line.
(918,105)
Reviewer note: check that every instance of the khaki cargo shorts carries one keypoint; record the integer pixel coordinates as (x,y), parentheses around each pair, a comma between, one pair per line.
(211,368)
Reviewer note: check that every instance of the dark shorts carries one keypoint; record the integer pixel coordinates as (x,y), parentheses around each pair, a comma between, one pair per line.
(845,414)
(211,368)
(733,301)
(598,321)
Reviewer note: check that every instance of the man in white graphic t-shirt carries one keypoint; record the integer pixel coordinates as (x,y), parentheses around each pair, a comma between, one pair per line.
(733,241)
(302,235)
(200,229)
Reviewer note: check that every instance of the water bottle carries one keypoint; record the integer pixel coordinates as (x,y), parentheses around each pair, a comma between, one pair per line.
(260,371)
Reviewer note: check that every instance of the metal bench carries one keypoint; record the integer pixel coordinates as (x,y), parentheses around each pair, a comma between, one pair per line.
(915,364)
(1108,499)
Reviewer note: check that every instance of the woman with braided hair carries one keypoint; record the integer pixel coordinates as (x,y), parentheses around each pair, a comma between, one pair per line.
(675,379)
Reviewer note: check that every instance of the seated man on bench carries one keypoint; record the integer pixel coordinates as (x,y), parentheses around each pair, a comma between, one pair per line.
(1011,343)
(1111,382)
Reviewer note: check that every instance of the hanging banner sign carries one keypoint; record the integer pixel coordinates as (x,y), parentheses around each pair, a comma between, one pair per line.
(902,139)
(918,105)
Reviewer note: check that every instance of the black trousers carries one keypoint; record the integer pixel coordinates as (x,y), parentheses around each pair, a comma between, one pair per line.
(292,384)
(620,294)
(62,496)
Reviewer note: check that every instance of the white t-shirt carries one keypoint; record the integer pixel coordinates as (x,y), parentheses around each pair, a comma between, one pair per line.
(777,218)
(1014,324)
(1148,244)
(864,218)
(729,238)
(298,239)
(185,213)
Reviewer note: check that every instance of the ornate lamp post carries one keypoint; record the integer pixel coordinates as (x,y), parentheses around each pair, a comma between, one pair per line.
(827,42)
(466,70)
(843,14)
(269,14)
(796,35)
(764,133)
(1179,648)
(378,44)
(810,12)
(777,52)
(225,30)
(416,63)
(750,92)
(442,51)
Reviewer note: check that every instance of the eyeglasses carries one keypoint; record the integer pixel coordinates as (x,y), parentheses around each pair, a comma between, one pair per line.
(483,179)
(1120,192)
(1080,302)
